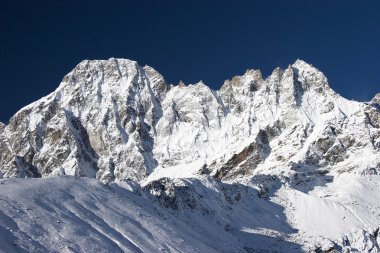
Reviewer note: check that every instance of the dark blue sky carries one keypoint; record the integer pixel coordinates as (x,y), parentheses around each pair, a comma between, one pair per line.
(41,41)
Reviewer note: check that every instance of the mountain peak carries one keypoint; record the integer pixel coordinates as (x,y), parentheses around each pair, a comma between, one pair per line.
(255,74)
(118,65)
(376,98)
(309,75)
(300,62)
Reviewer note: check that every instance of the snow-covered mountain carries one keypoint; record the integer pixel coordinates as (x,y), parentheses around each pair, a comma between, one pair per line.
(283,160)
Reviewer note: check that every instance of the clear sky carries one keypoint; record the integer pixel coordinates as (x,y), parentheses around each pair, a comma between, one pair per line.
(41,41)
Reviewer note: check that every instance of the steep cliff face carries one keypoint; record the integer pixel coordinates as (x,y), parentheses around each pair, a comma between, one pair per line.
(116,120)
(100,121)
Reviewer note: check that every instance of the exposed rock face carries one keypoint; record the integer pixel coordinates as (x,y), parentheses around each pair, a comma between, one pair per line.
(244,162)
(115,120)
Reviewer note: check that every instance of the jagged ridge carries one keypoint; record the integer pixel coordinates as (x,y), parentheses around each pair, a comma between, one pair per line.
(116,120)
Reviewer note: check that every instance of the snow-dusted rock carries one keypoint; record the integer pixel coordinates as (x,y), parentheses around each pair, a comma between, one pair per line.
(117,120)
(376,98)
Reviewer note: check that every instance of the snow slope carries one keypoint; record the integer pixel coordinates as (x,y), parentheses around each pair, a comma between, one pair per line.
(70,214)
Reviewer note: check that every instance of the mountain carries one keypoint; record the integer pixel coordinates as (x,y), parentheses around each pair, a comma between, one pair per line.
(282,159)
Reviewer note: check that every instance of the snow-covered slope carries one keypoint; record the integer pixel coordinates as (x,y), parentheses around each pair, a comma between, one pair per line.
(71,214)
(301,159)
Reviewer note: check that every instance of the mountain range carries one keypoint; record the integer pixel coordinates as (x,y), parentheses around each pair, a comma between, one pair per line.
(117,159)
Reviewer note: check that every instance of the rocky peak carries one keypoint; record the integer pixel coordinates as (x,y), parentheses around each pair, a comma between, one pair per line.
(376,98)
(181,84)
(276,75)
(111,68)
(248,82)
(309,76)
(254,74)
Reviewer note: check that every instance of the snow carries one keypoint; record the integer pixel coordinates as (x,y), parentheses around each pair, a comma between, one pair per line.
(318,216)
(70,214)
(179,171)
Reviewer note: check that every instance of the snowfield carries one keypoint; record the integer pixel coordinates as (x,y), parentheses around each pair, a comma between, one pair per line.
(71,214)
